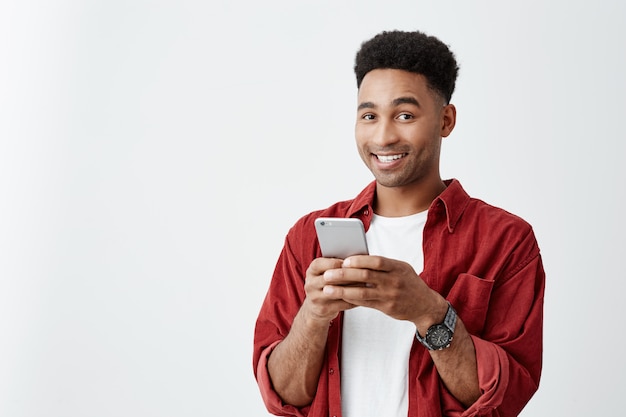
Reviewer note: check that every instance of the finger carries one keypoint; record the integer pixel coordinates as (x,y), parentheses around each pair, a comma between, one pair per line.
(321,306)
(353,277)
(375,263)
(348,276)
(320,265)
(357,295)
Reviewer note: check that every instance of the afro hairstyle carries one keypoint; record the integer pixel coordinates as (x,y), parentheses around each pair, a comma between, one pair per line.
(409,51)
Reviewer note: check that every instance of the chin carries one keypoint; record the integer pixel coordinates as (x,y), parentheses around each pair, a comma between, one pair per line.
(395,181)
(391,182)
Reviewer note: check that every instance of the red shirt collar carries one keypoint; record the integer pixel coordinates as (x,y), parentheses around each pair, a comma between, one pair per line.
(453,200)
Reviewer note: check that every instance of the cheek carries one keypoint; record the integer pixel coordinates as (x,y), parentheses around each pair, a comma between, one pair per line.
(423,133)
(360,136)
(358,130)
(361,146)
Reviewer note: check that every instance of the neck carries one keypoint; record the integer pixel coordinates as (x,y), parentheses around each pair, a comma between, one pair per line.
(406,200)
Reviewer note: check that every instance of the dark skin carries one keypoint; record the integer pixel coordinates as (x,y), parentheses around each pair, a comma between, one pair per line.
(400,125)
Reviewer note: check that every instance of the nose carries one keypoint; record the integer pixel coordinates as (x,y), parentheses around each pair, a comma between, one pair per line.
(386,133)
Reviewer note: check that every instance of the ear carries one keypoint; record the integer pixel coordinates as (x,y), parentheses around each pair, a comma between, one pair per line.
(448,119)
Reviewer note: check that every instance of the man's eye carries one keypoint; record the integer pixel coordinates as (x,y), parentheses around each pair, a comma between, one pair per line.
(405,116)
(368,116)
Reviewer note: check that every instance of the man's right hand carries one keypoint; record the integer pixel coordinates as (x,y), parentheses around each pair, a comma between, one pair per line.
(318,305)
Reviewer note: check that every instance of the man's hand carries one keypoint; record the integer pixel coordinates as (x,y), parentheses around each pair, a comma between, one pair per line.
(388,285)
(319,305)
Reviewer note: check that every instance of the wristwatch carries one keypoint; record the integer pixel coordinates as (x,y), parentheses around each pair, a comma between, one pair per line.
(439,336)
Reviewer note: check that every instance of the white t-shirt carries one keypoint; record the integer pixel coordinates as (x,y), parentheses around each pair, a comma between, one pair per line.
(376,347)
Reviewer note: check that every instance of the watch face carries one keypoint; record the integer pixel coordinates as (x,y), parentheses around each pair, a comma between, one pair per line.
(439,336)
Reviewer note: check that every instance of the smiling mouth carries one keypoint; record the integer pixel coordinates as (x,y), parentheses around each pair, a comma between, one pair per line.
(390,158)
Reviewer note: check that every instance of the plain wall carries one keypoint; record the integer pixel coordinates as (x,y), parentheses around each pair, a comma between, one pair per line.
(153,156)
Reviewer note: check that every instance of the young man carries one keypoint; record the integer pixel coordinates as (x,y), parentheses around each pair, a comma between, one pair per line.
(444,316)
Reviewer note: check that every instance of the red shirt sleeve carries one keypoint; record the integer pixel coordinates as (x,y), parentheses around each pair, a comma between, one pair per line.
(509,349)
(282,302)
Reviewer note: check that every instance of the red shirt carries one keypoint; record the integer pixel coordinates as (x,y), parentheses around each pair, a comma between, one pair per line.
(482,259)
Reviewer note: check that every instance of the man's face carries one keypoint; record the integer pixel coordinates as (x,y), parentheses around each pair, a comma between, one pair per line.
(399,126)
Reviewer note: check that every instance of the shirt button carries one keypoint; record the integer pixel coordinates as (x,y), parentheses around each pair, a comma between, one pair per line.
(366,212)
(331,371)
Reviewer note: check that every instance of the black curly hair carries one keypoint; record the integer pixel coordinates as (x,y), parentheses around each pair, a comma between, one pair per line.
(409,51)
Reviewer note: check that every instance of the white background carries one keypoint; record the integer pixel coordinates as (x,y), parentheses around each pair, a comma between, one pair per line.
(153,154)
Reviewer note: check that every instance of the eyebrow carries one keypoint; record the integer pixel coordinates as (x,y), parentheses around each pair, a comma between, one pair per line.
(405,100)
(395,102)
(366,105)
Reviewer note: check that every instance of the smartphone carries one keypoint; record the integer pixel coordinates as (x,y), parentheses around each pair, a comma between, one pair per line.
(340,237)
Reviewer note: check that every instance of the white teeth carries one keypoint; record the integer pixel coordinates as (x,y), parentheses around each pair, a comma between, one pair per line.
(388,158)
